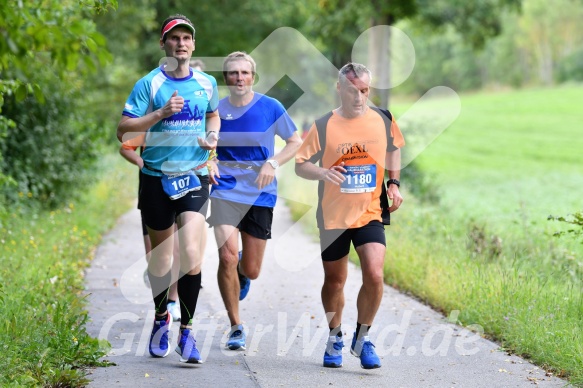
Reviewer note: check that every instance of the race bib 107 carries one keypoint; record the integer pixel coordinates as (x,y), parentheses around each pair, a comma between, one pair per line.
(177,186)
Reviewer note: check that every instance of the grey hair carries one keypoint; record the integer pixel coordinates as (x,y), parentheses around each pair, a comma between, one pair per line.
(356,69)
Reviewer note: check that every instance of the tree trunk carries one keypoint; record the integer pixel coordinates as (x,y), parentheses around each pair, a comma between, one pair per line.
(379,51)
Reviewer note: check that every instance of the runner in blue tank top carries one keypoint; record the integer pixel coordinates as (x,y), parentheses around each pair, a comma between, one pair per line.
(176,107)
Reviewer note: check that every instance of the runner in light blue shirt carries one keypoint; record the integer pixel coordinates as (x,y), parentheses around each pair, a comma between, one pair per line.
(172,141)
(176,108)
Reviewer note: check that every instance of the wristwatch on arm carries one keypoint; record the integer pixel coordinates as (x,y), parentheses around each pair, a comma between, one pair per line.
(274,163)
(394,182)
(213,134)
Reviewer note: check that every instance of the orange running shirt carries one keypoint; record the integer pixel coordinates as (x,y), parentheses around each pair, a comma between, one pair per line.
(361,143)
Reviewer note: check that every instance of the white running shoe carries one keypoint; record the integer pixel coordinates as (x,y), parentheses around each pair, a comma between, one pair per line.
(174,310)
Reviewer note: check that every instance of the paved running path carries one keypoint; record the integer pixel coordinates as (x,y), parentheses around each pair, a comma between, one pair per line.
(286,325)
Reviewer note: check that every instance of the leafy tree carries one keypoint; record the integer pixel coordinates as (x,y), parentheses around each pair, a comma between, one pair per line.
(34,31)
(549,33)
(503,60)
(124,31)
(222,26)
(477,20)
(34,43)
(342,21)
(570,68)
(441,60)
(542,44)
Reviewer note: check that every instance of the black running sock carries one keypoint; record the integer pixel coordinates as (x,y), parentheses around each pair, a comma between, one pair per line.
(188,289)
(336,331)
(171,301)
(162,317)
(361,330)
(160,287)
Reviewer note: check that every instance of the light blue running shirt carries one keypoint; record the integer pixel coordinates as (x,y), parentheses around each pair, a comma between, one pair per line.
(171,144)
(248,136)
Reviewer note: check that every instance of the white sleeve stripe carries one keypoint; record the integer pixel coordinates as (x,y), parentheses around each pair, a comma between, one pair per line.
(205,83)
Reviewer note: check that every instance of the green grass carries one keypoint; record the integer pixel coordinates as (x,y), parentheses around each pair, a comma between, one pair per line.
(42,256)
(509,153)
(528,297)
(508,162)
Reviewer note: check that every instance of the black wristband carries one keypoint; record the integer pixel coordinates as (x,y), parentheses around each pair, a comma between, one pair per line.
(394,182)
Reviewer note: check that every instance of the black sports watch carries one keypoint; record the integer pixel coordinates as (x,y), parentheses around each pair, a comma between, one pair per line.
(394,182)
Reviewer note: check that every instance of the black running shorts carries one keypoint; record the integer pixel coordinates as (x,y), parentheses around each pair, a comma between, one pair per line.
(159,212)
(335,243)
(251,219)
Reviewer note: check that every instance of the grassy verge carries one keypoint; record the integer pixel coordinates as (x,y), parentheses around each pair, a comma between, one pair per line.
(526,292)
(43,255)
(487,249)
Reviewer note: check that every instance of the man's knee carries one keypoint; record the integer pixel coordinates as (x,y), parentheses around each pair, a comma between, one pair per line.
(373,277)
(251,268)
(334,281)
(252,272)
(228,258)
(193,252)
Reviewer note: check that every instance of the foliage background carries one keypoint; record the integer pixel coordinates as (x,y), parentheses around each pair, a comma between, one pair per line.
(60,88)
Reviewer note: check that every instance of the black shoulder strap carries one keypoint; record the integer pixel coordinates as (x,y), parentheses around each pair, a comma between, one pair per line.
(388,120)
(321,125)
(385,112)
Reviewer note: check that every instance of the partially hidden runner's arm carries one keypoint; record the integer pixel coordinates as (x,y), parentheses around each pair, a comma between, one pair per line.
(267,172)
(393,166)
(213,127)
(213,168)
(142,124)
(130,154)
(128,150)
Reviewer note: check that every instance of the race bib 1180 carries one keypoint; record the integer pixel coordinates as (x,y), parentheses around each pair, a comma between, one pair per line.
(359,179)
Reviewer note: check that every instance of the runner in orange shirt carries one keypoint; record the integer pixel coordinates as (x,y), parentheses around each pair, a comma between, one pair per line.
(128,152)
(355,144)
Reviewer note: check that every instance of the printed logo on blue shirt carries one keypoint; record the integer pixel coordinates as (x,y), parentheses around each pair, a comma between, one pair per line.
(185,119)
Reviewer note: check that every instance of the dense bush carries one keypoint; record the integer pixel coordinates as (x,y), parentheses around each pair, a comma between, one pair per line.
(49,151)
(571,67)
(43,148)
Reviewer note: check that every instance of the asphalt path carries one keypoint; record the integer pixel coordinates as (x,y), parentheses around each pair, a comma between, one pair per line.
(286,327)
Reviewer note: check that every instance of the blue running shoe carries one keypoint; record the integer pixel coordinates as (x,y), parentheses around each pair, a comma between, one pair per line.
(187,348)
(364,349)
(237,338)
(333,353)
(159,338)
(244,281)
